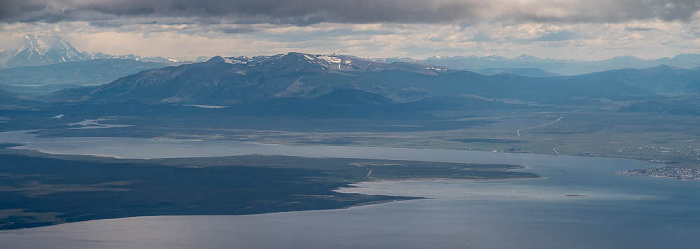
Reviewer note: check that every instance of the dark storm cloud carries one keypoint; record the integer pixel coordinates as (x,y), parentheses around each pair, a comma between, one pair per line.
(304,12)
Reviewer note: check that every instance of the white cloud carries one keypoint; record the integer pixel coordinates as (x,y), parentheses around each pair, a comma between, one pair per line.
(643,38)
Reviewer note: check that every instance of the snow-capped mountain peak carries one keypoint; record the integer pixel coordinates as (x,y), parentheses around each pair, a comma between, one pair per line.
(36,50)
(526,58)
(40,50)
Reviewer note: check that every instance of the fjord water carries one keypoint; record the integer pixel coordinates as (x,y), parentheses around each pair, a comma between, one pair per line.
(579,203)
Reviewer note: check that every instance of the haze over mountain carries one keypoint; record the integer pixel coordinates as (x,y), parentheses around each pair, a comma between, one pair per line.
(88,72)
(36,80)
(662,79)
(527,72)
(563,67)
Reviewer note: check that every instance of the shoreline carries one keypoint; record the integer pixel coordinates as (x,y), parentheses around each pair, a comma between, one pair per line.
(313,187)
(364,204)
(15,146)
(102,158)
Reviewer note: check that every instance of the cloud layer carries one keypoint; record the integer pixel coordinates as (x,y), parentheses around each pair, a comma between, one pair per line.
(305,12)
(580,29)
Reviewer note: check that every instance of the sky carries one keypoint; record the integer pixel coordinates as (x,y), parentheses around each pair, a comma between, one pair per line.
(563,29)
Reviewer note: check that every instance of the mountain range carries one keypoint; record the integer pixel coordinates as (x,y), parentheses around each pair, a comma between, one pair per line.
(527,72)
(664,80)
(43,65)
(36,50)
(250,80)
(687,104)
(555,66)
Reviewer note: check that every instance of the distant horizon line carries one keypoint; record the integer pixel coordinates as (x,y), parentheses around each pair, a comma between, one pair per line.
(206,57)
(438,56)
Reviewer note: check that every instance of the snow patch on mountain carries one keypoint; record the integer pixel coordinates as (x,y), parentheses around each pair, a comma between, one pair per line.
(237,60)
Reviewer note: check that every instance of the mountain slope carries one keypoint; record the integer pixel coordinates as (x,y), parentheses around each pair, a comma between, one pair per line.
(351,103)
(340,103)
(661,79)
(235,80)
(8,98)
(688,104)
(239,80)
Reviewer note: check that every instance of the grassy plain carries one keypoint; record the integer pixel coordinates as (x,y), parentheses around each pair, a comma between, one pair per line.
(666,139)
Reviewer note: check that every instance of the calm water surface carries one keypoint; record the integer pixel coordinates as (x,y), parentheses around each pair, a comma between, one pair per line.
(581,203)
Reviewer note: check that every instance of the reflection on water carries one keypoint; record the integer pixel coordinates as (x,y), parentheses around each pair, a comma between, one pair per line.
(580,203)
(489,190)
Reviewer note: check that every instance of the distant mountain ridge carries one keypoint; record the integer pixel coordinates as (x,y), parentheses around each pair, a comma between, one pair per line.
(89,72)
(661,79)
(37,50)
(527,72)
(40,80)
(557,66)
(688,104)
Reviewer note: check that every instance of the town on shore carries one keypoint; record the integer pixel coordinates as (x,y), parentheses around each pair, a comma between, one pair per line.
(684,174)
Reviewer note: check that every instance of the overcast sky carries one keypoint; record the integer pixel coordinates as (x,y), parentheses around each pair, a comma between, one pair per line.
(574,29)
